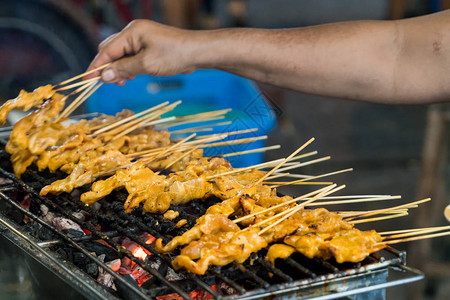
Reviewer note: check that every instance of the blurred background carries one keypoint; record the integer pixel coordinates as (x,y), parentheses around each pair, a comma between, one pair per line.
(393,149)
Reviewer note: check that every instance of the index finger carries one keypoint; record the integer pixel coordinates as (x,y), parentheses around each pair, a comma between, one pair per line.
(110,50)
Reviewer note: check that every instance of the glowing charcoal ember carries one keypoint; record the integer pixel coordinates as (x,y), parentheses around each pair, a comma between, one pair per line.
(135,249)
(148,238)
(128,266)
(140,275)
(114,264)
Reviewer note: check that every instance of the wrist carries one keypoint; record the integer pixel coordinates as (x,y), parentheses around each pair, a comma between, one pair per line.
(212,49)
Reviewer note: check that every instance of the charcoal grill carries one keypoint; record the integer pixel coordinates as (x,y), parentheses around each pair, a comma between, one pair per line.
(294,277)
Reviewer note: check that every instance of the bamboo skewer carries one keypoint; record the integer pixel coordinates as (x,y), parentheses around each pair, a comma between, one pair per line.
(263,149)
(203,114)
(139,124)
(81,100)
(284,161)
(357,196)
(189,145)
(204,129)
(378,218)
(314,161)
(135,116)
(428,236)
(287,213)
(169,149)
(181,157)
(288,175)
(273,163)
(280,205)
(356,200)
(195,142)
(199,128)
(152,152)
(300,164)
(86,88)
(418,231)
(359,214)
(259,166)
(300,206)
(68,87)
(407,205)
(194,117)
(233,132)
(220,136)
(83,74)
(206,119)
(344,214)
(231,172)
(406,230)
(136,123)
(236,142)
(278,176)
(313,177)
(298,183)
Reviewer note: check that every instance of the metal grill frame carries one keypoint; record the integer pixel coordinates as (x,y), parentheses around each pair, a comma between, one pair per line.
(333,285)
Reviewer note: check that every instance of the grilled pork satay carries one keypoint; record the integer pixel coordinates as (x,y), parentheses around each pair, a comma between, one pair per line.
(314,233)
(143,185)
(19,138)
(87,171)
(214,251)
(67,155)
(143,139)
(21,160)
(206,225)
(279,251)
(179,188)
(305,221)
(180,164)
(19,135)
(36,138)
(73,145)
(26,101)
(241,194)
(350,245)
(105,120)
(214,217)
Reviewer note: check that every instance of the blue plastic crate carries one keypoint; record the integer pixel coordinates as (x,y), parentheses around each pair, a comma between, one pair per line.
(203,90)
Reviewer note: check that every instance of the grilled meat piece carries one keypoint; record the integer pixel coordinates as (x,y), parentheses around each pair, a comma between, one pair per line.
(350,245)
(221,250)
(26,101)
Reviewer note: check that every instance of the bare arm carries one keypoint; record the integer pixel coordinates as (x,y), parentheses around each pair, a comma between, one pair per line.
(405,61)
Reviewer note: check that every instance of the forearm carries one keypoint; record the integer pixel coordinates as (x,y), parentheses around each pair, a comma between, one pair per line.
(368,60)
(406,61)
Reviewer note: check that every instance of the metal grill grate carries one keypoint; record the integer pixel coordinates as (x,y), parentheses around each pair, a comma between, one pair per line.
(256,278)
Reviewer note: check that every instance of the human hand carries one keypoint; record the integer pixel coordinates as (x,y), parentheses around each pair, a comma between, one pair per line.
(145,47)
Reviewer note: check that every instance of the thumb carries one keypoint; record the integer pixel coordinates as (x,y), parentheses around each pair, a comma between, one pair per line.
(124,69)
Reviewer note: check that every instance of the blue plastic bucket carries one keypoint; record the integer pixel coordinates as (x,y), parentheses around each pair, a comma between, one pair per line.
(203,90)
